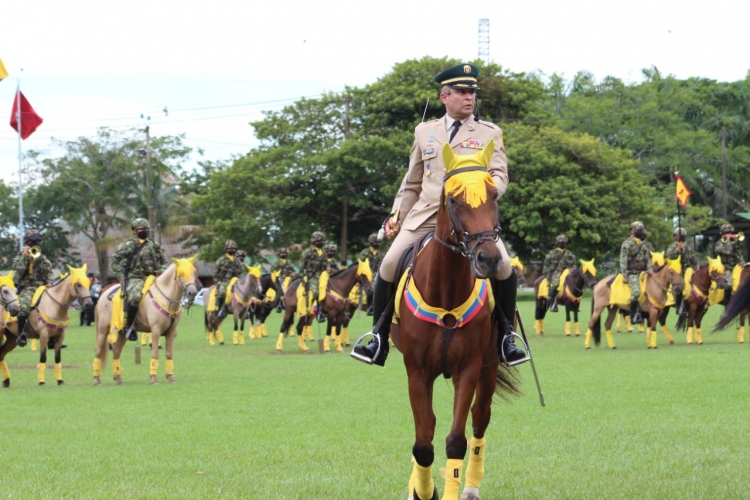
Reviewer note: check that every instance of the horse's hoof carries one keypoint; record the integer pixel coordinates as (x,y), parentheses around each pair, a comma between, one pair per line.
(118,379)
(577,335)
(6,383)
(671,342)
(700,343)
(153,380)
(588,348)
(278,351)
(42,384)
(110,346)
(60,382)
(567,335)
(97,382)
(470,494)
(171,379)
(347,344)
(435,495)
(221,343)
(614,348)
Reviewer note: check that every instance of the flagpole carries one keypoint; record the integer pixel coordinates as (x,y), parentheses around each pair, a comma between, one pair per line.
(20,178)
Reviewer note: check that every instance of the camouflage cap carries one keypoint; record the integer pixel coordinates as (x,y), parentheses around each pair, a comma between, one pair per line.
(32,235)
(373,238)
(561,238)
(330,247)
(317,236)
(230,244)
(241,254)
(637,226)
(726,228)
(139,223)
(282,250)
(680,232)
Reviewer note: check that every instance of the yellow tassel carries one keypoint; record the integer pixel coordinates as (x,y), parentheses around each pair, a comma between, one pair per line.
(112,337)
(567,328)
(452,476)
(280,342)
(4,370)
(475,469)
(610,339)
(40,372)
(169,367)
(34,344)
(154,366)
(473,185)
(116,367)
(577,329)
(58,371)
(97,367)
(423,482)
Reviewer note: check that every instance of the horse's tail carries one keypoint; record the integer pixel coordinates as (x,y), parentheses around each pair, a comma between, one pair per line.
(737,303)
(682,321)
(205,319)
(596,328)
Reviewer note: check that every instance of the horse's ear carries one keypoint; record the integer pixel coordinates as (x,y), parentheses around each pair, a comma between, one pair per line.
(69,268)
(487,153)
(193,258)
(83,268)
(449,158)
(174,261)
(10,276)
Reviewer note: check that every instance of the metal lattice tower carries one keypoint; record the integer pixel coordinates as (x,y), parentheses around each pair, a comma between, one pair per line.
(484,39)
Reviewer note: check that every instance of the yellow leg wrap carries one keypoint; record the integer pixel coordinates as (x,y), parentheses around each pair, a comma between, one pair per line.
(589,334)
(58,371)
(40,372)
(211,338)
(219,335)
(618,326)
(345,335)
(452,476)
(698,339)
(337,343)
(169,367)
(667,333)
(652,336)
(640,328)
(327,344)
(475,469)
(280,342)
(241,337)
(537,328)
(116,367)
(251,332)
(112,337)
(301,343)
(741,334)
(610,339)
(34,344)
(97,367)
(567,328)
(263,330)
(309,331)
(154,367)
(689,337)
(577,329)
(423,482)
(4,370)
(628,325)
(235,341)
(144,338)
(541,325)
(159,341)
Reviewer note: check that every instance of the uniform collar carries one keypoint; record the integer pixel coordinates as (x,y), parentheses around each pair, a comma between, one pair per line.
(231,257)
(141,241)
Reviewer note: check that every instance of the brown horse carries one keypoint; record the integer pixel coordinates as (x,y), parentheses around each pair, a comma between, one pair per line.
(657,286)
(48,320)
(240,301)
(158,313)
(738,306)
(697,302)
(446,328)
(572,293)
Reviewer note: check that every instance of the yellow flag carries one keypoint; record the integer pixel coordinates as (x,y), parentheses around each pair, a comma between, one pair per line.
(682,191)
(3,71)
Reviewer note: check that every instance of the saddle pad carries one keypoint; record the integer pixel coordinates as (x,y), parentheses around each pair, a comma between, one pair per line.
(117,320)
(688,280)
(563,277)
(543,289)
(304,307)
(37,296)
(620,291)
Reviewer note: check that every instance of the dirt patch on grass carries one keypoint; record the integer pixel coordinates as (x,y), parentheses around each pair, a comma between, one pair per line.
(49,366)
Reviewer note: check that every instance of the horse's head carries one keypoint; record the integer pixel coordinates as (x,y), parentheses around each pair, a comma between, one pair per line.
(716,271)
(79,285)
(254,274)
(675,275)
(473,223)
(588,270)
(8,294)
(517,266)
(184,274)
(364,274)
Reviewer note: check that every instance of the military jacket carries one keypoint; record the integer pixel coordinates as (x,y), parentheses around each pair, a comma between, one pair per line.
(688,256)
(149,259)
(557,261)
(730,253)
(286,268)
(314,262)
(635,256)
(375,258)
(227,268)
(332,265)
(29,272)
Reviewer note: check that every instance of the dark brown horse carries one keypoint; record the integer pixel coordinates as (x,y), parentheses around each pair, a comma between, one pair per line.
(739,305)
(697,302)
(436,338)
(572,293)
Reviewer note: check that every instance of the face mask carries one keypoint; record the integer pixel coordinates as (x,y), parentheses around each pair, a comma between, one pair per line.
(640,235)
(318,244)
(681,239)
(374,245)
(142,233)
(330,255)
(562,245)
(231,251)
(282,256)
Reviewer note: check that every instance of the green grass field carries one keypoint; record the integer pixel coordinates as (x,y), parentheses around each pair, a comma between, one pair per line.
(245,423)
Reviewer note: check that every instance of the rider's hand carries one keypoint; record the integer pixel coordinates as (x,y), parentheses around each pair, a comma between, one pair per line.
(651,272)
(26,251)
(391,228)
(624,279)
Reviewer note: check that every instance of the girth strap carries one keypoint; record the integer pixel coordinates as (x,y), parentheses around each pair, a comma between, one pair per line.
(448,332)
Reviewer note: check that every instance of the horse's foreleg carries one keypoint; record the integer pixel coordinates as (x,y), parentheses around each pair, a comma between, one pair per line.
(540,310)
(154,364)
(42,366)
(662,317)
(698,320)
(420,395)
(567,320)
(58,358)
(235,333)
(480,420)
(169,363)
(8,345)
(741,328)
(116,353)
(337,337)
(301,329)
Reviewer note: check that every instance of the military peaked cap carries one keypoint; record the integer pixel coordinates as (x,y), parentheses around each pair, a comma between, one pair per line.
(463,76)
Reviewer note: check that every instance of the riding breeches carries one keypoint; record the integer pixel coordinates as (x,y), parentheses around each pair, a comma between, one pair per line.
(406,238)
(24,300)
(728,278)
(554,282)
(134,291)
(635,287)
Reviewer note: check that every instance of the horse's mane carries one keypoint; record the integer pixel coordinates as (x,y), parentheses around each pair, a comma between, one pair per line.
(343,270)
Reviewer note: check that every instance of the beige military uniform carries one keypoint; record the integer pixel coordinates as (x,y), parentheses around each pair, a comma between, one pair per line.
(418,200)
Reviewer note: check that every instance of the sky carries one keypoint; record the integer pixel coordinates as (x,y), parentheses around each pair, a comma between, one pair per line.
(217,65)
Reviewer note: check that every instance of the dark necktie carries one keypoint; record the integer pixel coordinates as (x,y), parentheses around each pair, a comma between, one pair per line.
(456,126)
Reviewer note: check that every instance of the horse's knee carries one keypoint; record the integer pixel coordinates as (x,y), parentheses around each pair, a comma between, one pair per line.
(455,445)
(424,454)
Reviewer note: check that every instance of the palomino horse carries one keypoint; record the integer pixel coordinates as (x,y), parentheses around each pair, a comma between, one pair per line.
(48,320)
(739,305)
(657,286)
(572,293)
(240,301)
(697,302)
(261,305)
(158,313)
(446,325)
(335,304)
(9,303)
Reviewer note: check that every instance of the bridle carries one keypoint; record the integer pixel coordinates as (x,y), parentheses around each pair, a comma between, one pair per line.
(463,238)
(6,304)
(183,286)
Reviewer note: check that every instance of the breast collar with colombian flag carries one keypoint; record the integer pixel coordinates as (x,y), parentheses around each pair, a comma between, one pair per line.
(463,313)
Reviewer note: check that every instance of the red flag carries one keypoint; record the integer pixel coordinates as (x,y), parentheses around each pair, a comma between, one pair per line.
(682,191)
(29,119)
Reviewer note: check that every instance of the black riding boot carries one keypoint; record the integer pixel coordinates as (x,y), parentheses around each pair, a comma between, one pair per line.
(553,300)
(132,311)
(635,313)
(370,310)
(505,299)
(222,308)
(21,340)
(383,315)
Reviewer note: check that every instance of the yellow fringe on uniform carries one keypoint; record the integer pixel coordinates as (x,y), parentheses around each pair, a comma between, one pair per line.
(543,292)
(117,319)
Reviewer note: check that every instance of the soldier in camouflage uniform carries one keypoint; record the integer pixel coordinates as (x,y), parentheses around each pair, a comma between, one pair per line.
(686,255)
(227,267)
(133,261)
(240,256)
(314,263)
(729,250)
(28,275)
(286,268)
(634,259)
(557,260)
(332,264)
(375,258)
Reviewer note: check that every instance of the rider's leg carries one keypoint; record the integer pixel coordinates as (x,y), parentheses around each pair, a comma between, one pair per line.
(221,296)
(505,298)
(24,304)
(134,295)
(382,296)
(635,310)
(21,341)
(553,294)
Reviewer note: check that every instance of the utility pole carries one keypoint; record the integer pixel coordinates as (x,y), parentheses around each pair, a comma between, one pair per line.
(149,180)
(724,195)
(345,208)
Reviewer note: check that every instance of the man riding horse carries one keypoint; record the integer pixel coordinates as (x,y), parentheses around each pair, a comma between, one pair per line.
(332,265)
(729,252)
(680,250)
(31,269)
(133,261)
(558,260)
(635,257)
(414,212)
(375,258)
(227,267)
(314,262)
